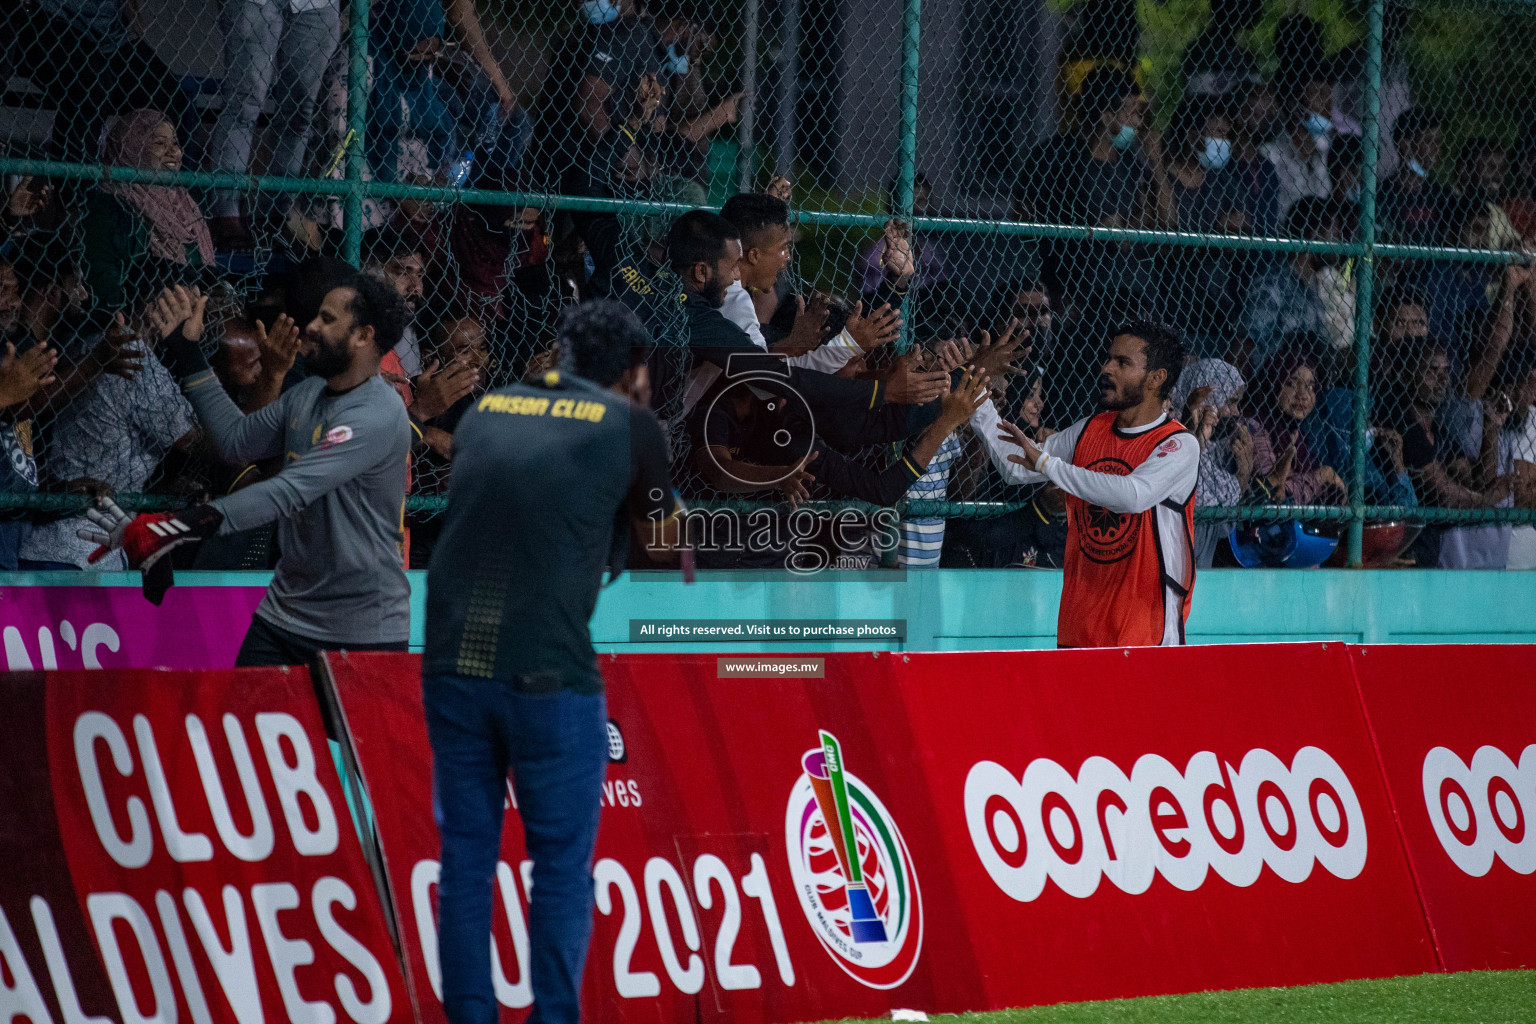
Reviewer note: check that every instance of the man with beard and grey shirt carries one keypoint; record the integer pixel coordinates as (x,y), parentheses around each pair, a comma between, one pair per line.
(339,499)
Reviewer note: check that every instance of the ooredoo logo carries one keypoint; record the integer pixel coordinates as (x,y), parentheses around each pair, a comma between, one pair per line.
(852,871)
(1483,810)
(1158,820)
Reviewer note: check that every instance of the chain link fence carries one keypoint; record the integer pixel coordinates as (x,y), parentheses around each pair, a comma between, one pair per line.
(1329,200)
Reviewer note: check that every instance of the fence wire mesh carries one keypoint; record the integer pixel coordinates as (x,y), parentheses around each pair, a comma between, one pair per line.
(1330,201)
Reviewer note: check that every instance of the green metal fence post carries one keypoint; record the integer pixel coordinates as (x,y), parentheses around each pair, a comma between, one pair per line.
(1365,279)
(906,157)
(906,153)
(357,113)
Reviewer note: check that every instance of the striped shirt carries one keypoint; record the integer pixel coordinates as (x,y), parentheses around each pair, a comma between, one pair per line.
(922,539)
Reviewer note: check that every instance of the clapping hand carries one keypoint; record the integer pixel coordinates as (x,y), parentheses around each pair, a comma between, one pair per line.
(648,96)
(118,351)
(21,376)
(1281,474)
(279,347)
(440,387)
(1241,446)
(179,307)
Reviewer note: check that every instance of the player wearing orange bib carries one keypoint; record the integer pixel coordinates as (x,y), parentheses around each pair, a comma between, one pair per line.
(1129,475)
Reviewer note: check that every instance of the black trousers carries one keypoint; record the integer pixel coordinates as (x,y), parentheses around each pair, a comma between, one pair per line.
(266,644)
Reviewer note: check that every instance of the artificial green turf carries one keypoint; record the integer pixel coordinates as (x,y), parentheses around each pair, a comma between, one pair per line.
(1472,997)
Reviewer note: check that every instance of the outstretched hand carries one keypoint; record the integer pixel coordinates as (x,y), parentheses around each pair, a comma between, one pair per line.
(1030,460)
(881,327)
(810,326)
(996,358)
(966,398)
(909,385)
(796,486)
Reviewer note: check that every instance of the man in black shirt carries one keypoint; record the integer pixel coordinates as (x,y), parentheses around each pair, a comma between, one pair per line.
(1411,207)
(549,479)
(1096,176)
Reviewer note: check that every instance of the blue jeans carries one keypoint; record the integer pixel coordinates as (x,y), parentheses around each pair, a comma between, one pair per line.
(556,746)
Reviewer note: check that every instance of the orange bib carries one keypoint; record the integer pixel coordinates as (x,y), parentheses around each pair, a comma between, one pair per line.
(1120,566)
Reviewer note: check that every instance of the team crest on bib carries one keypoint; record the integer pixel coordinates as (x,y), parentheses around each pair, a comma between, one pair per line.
(1104,536)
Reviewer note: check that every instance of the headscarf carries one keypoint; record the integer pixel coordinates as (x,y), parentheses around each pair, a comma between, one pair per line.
(1276,422)
(173,215)
(1216,484)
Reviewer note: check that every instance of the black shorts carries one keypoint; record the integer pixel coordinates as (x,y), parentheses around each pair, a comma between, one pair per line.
(266,644)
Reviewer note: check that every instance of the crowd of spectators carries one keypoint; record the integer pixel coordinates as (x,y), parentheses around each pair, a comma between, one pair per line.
(770,390)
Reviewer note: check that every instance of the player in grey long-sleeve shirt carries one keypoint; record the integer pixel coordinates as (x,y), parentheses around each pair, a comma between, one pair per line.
(340,497)
(339,502)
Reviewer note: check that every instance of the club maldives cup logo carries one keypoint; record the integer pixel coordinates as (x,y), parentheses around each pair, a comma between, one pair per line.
(852,871)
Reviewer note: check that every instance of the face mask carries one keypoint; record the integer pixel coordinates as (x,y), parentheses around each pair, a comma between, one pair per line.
(1318,125)
(1124,138)
(677,63)
(1216,154)
(1417,168)
(600,12)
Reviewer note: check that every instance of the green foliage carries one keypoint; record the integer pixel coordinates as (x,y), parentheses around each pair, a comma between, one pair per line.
(1475,66)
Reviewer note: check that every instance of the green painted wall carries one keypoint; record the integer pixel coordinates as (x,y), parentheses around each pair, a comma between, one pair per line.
(982,609)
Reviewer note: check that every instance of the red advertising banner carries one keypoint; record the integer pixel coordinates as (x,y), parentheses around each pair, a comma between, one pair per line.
(177,847)
(942,832)
(1456,731)
(1163,820)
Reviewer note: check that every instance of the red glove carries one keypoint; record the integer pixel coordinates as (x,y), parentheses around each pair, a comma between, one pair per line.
(148,537)
(152,536)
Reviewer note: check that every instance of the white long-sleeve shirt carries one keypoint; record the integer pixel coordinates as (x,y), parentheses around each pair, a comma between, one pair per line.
(829,357)
(1171,474)
(1167,476)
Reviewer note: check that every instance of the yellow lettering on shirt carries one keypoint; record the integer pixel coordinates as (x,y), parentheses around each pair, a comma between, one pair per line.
(561,408)
(634,280)
(520,405)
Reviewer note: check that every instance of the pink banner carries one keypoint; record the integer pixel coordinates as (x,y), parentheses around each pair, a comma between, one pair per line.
(115,627)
